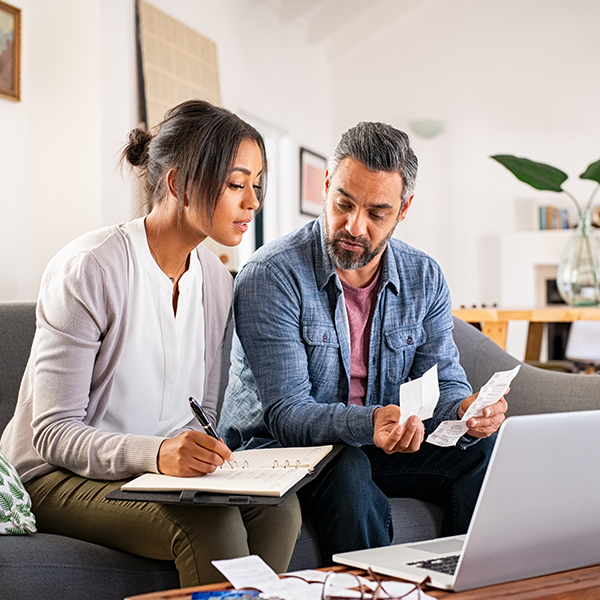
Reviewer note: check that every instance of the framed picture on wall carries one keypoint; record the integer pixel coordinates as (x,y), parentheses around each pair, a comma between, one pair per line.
(312,176)
(10,51)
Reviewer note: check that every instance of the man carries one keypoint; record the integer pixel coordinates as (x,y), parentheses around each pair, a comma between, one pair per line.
(330,320)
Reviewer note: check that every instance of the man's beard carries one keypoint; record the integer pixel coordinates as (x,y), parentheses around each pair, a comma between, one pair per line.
(347,260)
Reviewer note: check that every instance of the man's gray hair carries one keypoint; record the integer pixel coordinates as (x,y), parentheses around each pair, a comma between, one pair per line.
(380,147)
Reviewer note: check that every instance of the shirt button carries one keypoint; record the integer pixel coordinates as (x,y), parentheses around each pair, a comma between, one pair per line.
(409,341)
(324,337)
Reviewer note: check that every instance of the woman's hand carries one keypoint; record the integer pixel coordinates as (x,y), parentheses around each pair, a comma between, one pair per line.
(192,453)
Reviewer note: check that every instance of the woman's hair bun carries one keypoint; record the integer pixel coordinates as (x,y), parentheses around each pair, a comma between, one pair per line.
(136,151)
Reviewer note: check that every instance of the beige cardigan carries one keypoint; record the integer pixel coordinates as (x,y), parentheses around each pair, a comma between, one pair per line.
(81,317)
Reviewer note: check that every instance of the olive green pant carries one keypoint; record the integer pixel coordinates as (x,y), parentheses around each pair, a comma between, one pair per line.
(192,536)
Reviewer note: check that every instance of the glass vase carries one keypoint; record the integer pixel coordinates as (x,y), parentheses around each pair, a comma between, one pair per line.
(578,277)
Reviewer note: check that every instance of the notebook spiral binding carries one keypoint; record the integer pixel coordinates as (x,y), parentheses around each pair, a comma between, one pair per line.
(233,464)
(287,464)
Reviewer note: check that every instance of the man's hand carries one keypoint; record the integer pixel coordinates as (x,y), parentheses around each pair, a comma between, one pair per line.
(390,436)
(493,415)
(191,453)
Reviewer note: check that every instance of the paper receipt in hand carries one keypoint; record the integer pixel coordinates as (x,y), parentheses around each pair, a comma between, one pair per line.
(449,432)
(420,396)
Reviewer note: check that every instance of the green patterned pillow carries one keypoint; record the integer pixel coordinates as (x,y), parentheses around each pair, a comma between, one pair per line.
(16,517)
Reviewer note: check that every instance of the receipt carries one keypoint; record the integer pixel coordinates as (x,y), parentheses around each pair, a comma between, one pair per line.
(420,396)
(491,392)
(449,432)
(248,572)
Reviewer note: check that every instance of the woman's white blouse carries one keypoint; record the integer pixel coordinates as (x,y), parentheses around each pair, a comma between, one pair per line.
(162,363)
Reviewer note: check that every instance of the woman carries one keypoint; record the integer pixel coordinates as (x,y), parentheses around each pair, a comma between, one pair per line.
(130,324)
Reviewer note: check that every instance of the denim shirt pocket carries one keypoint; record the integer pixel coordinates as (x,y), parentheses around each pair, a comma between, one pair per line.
(401,347)
(322,348)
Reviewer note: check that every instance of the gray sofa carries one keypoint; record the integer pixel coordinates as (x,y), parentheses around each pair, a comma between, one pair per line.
(51,566)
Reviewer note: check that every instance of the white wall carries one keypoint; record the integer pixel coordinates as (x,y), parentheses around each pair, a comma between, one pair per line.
(14,131)
(50,151)
(507,76)
(60,145)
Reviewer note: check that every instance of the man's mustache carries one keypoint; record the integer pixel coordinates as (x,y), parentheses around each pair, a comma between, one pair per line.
(360,240)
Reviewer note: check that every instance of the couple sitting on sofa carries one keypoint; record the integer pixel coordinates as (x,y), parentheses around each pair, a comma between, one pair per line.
(330,320)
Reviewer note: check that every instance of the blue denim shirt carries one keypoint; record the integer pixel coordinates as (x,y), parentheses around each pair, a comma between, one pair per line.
(292,348)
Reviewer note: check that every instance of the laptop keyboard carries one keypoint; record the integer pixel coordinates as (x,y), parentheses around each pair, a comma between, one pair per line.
(446,564)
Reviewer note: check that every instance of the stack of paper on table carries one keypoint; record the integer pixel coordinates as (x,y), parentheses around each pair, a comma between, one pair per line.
(267,472)
(251,572)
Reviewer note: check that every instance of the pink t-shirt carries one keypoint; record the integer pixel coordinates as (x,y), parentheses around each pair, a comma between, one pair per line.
(360,303)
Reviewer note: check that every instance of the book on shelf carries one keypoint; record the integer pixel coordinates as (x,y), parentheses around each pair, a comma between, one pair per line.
(260,472)
(551,217)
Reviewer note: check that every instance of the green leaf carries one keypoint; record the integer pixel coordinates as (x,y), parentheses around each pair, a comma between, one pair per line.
(537,175)
(4,469)
(6,501)
(16,491)
(15,531)
(592,172)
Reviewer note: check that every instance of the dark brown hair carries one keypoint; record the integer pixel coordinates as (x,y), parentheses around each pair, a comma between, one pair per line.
(201,141)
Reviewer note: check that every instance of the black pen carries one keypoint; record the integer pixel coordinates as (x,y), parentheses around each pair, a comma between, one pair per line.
(203,420)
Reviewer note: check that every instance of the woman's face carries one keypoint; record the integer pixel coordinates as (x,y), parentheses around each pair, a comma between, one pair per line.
(233,212)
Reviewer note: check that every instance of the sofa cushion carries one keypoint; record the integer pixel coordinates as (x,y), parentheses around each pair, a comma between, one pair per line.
(44,565)
(415,520)
(16,517)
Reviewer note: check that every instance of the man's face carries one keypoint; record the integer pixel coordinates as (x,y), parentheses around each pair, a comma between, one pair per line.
(362,209)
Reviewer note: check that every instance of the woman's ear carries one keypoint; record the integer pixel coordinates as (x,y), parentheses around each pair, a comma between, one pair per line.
(172,183)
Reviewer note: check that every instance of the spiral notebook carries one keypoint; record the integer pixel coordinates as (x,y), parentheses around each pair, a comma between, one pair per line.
(251,475)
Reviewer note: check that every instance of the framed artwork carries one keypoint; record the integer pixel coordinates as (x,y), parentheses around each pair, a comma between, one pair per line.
(10,51)
(176,63)
(312,176)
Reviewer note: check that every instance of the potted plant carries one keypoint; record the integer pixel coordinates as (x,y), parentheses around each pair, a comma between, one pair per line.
(578,277)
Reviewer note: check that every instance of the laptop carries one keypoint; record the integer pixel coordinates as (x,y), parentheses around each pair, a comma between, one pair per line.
(538,511)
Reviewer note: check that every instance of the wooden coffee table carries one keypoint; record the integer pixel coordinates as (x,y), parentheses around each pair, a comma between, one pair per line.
(578,584)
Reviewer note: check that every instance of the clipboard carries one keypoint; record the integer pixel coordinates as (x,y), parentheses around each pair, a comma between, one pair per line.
(197,498)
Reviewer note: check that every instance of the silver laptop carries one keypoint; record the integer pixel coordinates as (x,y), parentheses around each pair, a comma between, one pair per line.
(538,511)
